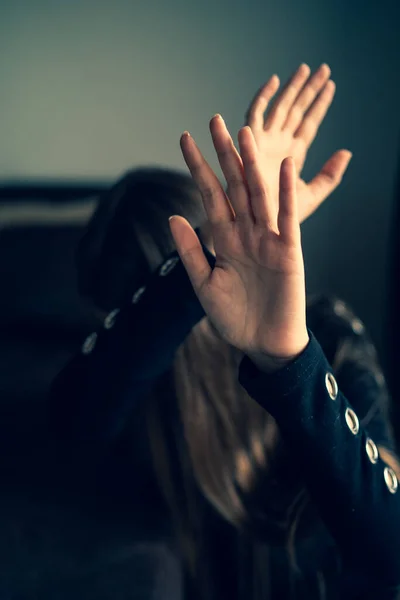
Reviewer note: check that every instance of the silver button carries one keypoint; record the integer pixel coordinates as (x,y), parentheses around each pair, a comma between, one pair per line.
(137,295)
(390,480)
(89,343)
(168,266)
(352,421)
(331,385)
(110,318)
(339,308)
(357,326)
(372,451)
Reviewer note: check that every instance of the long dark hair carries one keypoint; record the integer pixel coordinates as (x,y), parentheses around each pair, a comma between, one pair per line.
(220,449)
(128,235)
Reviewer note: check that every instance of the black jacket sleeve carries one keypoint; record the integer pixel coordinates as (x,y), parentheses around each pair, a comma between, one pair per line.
(354,491)
(92,398)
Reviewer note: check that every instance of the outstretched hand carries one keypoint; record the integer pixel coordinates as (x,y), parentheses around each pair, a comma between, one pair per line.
(255,294)
(291,126)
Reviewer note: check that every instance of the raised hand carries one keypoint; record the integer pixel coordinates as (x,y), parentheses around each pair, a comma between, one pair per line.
(290,127)
(255,294)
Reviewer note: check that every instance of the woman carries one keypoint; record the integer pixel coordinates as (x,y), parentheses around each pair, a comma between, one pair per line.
(293,495)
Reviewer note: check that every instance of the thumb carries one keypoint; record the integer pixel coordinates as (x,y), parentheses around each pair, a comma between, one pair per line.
(190,251)
(330,176)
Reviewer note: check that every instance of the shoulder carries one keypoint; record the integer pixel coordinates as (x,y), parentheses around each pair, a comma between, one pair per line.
(352,355)
(341,333)
(328,312)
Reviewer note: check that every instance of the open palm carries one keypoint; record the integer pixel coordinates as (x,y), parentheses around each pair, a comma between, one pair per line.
(255,294)
(291,126)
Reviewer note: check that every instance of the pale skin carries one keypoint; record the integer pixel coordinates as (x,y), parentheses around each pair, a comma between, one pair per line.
(255,295)
(289,128)
(256,226)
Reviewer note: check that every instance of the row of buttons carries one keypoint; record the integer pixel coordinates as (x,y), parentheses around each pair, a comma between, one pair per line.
(354,426)
(90,342)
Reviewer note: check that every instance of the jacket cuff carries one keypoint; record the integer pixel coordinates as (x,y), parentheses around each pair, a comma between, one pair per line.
(285,381)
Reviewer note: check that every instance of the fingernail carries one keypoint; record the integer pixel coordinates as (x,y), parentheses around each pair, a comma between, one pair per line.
(186,133)
(217,116)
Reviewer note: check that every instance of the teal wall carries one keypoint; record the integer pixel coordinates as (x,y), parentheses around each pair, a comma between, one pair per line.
(90,88)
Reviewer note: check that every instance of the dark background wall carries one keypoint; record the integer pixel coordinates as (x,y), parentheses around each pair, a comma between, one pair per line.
(90,88)
(93,87)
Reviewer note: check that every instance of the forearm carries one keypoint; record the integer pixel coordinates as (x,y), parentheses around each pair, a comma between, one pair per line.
(93,396)
(329,446)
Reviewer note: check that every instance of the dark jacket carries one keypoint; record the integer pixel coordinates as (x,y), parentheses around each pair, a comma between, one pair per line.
(320,418)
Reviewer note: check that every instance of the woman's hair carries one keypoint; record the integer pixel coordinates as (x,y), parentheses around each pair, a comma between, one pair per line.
(226,449)
(209,439)
(128,236)
(229,449)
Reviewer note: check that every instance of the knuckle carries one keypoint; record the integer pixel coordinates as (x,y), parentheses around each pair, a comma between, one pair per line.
(197,170)
(280,111)
(297,112)
(235,183)
(316,85)
(306,98)
(293,88)
(208,192)
(258,191)
(251,162)
(336,179)
(224,154)
(310,131)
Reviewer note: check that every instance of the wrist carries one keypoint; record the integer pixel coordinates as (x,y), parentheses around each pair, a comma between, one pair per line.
(269,363)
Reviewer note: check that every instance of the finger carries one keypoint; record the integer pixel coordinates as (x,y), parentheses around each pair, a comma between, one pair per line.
(232,168)
(215,202)
(284,101)
(190,252)
(263,208)
(329,177)
(306,97)
(255,113)
(288,221)
(308,128)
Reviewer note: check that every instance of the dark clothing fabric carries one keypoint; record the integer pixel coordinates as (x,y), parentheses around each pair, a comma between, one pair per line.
(356,544)
(349,490)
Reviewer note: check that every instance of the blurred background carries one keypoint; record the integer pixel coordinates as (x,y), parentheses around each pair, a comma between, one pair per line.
(91,88)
